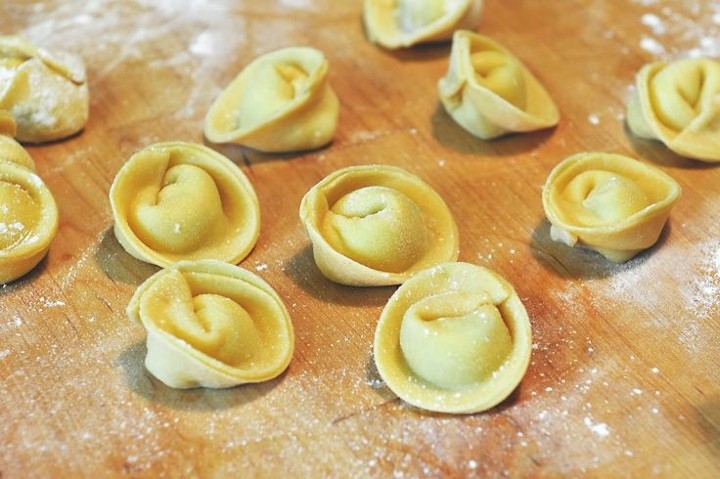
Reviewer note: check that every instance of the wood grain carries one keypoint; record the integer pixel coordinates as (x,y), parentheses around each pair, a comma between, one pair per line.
(624,378)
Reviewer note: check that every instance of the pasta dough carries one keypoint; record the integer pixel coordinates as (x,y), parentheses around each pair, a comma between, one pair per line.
(46,92)
(489,92)
(176,201)
(678,103)
(609,203)
(11,150)
(28,214)
(280,102)
(377,225)
(212,324)
(403,23)
(453,338)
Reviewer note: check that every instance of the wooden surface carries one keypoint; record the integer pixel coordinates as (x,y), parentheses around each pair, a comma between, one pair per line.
(624,379)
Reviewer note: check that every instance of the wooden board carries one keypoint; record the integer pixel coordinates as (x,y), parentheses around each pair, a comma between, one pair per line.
(624,379)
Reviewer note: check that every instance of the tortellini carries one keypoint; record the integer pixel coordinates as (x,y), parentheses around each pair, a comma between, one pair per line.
(453,338)
(212,324)
(678,103)
(281,102)
(377,225)
(10,150)
(28,214)
(489,92)
(403,23)
(610,203)
(46,92)
(183,201)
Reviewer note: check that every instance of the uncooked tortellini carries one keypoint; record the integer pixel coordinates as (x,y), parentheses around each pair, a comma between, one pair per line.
(609,203)
(403,23)
(377,225)
(212,324)
(28,213)
(489,92)
(453,338)
(11,150)
(678,103)
(280,102)
(177,201)
(46,92)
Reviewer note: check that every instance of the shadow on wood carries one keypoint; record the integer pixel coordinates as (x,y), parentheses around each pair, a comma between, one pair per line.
(302,270)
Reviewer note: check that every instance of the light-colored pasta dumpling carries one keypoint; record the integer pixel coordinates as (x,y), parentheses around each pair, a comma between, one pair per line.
(453,338)
(280,102)
(45,91)
(183,201)
(212,324)
(403,23)
(678,103)
(610,203)
(10,150)
(377,225)
(28,214)
(489,92)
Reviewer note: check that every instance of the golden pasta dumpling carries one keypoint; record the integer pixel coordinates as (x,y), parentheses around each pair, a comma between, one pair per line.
(212,324)
(489,92)
(28,214)
(403,23)
(46,92)
(453,338)
(10,150)
(377,225)
(280,102)
(678,103)
(183,201)
(610,203)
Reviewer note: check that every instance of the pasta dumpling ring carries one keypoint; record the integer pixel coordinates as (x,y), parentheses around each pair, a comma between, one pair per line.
(29,217)
(280,102)
(212,324)
(610,203)
(453,338)
(183,201)
(10,150)
(403,23)
(377,225)
(489,92)
(45,91)
(678,103)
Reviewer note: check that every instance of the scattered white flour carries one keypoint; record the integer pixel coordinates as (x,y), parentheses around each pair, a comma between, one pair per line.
(600,429)
(593,119)
(205,43)
(654,22)
(51,303)
(694,31)
(705,286)
(651,45)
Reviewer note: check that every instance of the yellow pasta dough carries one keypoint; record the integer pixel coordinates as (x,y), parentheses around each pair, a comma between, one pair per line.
(179,201)
(453,338)
(678,103)
(280,102)
(11,150)
(212,324)
(28,213)
(403,23)
(377,225)
(609,203)
(489,92)
(46,92)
